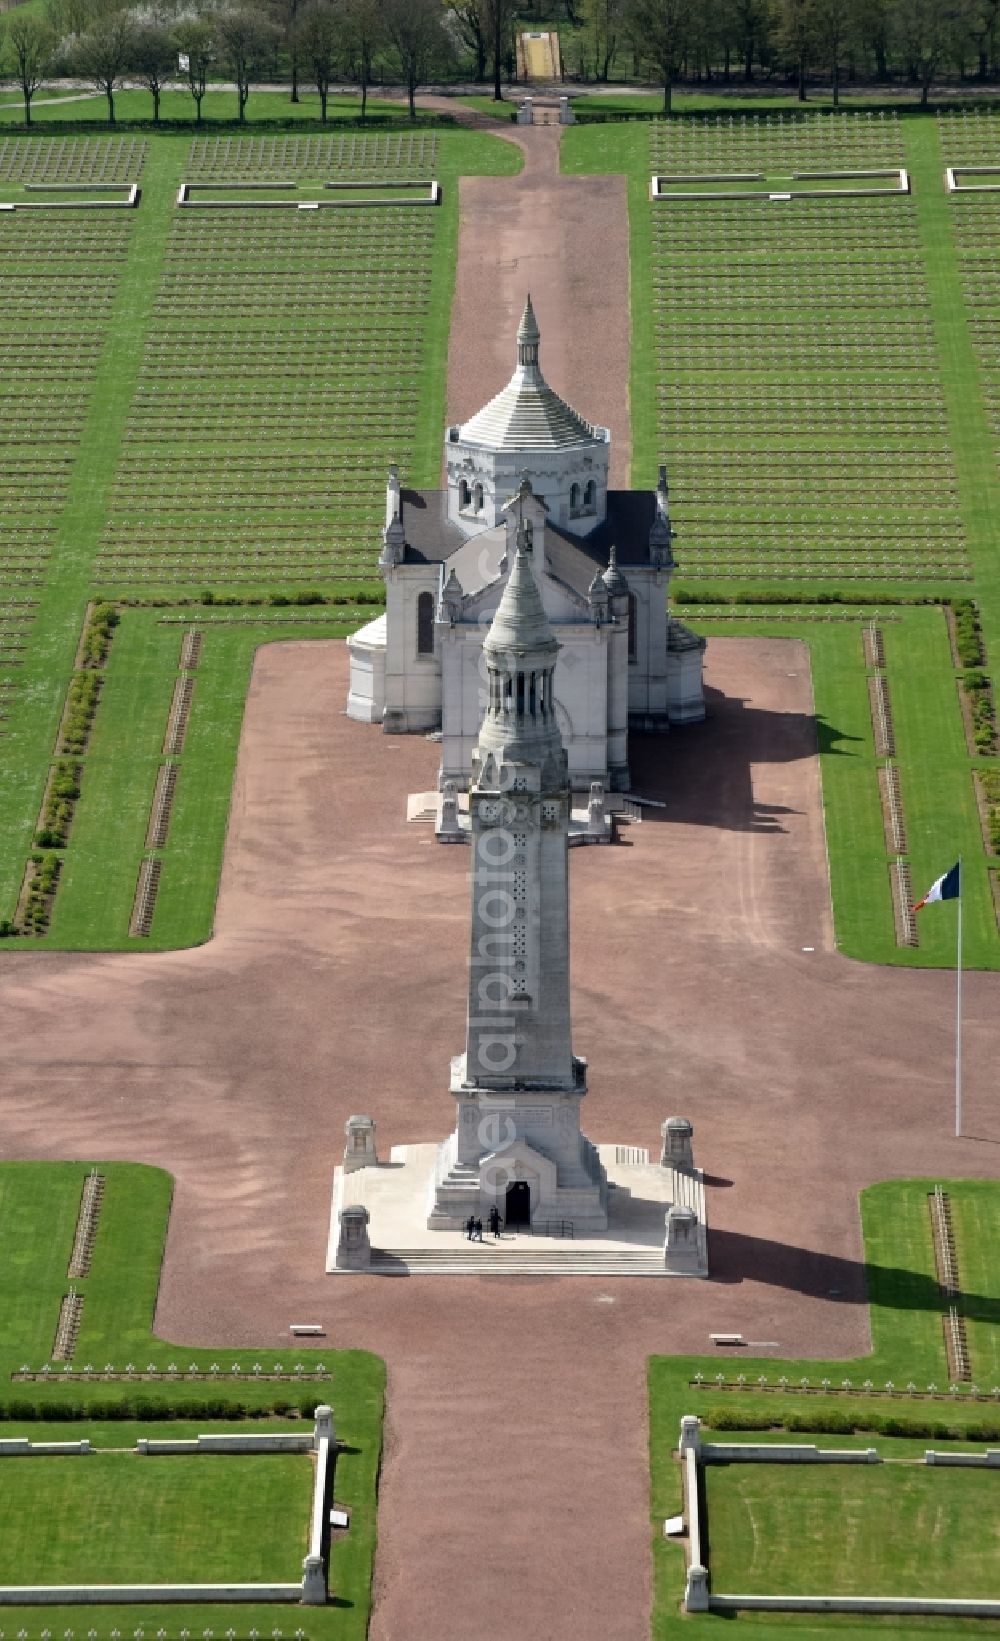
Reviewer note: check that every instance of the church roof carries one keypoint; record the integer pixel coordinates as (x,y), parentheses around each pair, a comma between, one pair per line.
(528,414)
(431,536)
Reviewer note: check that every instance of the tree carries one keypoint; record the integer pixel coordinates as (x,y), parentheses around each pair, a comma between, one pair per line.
(364,33)
(833,24)
(498,19)
(602,20)
(286,16)
(660,30)
(929,32)
(797,37)
(416,34)
(103,53)
(153,59)
(984,19)
(32,43)
(195,46)
(244,37)
(318,37)
(470,21)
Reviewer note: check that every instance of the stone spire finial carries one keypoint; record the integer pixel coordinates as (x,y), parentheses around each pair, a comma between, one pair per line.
(520,624)
(528,336)
(613,579)
(662,531)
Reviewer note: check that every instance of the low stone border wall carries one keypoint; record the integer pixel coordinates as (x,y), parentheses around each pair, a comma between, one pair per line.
(989,1459)
(943,1608)
(131,191)
(312,1588)
(115,1595)
(226,1444)
(953,172)
(18,1447)
(902,186)
(695,1454)
(432,196)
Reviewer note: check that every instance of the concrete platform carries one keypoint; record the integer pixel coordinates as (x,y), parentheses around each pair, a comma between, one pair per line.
(398,1194)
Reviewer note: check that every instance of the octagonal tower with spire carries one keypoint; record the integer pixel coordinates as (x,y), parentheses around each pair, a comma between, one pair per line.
(517,1143)
(527,427)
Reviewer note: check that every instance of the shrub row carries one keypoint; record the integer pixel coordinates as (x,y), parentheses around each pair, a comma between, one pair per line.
(968,633)
(104,619)
(63,791)
(40,891)
(834,1423)
(782,595)
(81,704)
(979,695)
(66,1408)
(990,779)
(280,601)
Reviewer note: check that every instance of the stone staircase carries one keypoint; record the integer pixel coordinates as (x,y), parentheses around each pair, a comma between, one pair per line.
(518,1258)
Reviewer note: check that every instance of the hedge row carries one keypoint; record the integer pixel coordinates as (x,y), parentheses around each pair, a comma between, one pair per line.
(979,695)
(68,1408)
(64,789)
(834,1423)
(968,633)
(81,704)
(990,779)
(751,595)
(104,619)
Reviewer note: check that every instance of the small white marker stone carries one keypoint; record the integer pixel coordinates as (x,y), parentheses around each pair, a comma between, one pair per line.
(673,1526)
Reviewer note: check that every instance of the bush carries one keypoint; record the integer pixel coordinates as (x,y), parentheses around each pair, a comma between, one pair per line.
(968,634)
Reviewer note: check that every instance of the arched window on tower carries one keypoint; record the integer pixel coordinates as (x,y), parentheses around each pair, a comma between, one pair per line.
(464,496)
(574,498)
(477,498)
(633,636)
(425,624)
(590,496)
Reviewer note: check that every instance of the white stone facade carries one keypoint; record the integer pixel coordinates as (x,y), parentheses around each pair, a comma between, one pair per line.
(602,561)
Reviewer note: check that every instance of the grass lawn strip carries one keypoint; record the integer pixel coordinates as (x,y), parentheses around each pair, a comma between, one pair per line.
(908,1347)
(900,1528)
(152,1515)
(38,1210)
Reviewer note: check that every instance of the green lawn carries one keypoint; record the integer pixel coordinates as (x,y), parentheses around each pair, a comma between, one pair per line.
(38,1211)
(120,1518)
(908,1348)
(89,107)
(771,370)
(185,456)
(901,1528)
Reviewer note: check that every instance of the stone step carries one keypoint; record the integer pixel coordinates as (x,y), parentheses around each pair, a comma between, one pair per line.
(471,1261)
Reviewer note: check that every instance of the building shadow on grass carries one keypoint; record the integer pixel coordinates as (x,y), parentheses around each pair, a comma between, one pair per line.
(734,1257)
(703,773)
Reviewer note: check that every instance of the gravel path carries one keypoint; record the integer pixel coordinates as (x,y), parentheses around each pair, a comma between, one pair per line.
(516,1467)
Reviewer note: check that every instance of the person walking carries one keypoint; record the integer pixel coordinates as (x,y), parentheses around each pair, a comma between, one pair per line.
(470,1227)
(495,1221)
(479,1230)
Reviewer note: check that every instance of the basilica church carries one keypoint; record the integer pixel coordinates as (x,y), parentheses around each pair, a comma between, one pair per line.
(528,467)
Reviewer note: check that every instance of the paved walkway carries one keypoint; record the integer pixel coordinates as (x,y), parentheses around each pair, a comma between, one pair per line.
(516,1470)
(566,240)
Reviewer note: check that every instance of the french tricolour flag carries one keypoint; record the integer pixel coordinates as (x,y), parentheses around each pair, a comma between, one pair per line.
(948,887)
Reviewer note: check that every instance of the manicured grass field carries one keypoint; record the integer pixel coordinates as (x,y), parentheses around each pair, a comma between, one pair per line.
(119,1518)
(908,1349)
(171,439)
(900,1528)
(38,1212)
(822,378)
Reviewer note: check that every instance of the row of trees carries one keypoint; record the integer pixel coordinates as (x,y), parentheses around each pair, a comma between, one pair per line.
(793,40)
(323,42)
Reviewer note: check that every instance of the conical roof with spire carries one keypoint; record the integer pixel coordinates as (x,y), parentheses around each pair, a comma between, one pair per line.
(527,414)
(520,626)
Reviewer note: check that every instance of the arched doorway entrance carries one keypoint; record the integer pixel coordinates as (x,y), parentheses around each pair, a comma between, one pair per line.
(518,1205)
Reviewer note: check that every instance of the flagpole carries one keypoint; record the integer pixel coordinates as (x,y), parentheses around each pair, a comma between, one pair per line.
(958,1009)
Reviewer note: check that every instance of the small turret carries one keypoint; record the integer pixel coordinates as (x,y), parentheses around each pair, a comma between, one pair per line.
(528,336)
(451,599)
(662,533)
(393,534)
(614,581)
(597,595)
